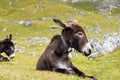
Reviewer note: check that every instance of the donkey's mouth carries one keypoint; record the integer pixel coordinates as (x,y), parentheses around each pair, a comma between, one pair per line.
(87,49)
(86,54)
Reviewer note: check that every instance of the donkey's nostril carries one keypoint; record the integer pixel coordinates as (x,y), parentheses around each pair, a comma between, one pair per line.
(89,51)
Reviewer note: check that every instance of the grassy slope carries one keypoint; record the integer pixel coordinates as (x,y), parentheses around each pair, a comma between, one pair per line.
(23,66)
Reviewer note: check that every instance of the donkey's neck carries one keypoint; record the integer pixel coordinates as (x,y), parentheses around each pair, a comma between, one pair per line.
(64,42)
(61,45)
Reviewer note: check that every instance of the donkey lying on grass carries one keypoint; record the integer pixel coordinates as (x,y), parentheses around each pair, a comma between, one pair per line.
(7,46)
(55,57)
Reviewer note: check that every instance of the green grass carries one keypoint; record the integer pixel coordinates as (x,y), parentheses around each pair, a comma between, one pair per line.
(85,5)
(22,67)
(116,12)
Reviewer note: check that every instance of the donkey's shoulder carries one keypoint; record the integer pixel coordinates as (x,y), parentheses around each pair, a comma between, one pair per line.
(56,37)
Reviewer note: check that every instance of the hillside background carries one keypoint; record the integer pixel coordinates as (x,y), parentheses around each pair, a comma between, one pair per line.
(30,22)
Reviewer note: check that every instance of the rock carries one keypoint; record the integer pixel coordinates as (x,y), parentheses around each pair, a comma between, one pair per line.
(28,23)
(34,39)
(98,28)
(54,27)
(97,46)
(22,49)
(10,3)
(90,30)
(119,28)
(105,35)
(32,54)
(110,43)
(45,39)
(21,22)
(46,19)
(42,39)
(38,7)
(5,29)
(72,20)
(81,14)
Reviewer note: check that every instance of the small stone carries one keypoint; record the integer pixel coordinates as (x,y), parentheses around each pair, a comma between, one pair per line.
(28,23)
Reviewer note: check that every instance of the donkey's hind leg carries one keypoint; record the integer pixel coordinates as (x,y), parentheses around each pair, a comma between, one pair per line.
(2,58)
(80,73)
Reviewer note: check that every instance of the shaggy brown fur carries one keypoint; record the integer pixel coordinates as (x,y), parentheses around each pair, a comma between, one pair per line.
(55,57)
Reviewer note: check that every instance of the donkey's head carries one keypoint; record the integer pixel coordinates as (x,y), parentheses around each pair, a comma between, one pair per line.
(74,36)
(7,46)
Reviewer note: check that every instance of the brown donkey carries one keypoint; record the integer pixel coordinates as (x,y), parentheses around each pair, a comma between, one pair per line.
(55,57)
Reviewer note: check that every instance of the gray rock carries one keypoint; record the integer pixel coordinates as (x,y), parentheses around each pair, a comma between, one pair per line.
(45,39)
(110,43)
(97,46)
(72,20)
(105,35)
(98,28)
(21,22)
(10,3)
(32,54)
(39,7)
(42,39)
(34,39)
(4,29)
(46,19)
(54,27)
(28,23)
(80,14)
(22,49)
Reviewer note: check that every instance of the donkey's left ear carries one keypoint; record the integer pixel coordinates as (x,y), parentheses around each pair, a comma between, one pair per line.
(10,37)
(60,23)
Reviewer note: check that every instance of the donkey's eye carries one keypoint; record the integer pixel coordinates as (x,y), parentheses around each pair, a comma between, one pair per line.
(80,34)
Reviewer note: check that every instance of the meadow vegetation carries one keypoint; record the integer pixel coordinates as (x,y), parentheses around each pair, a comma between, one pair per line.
(23,66)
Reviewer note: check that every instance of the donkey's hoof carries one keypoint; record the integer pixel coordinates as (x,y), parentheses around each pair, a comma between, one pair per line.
(5,59)
(94,78)
(2,59)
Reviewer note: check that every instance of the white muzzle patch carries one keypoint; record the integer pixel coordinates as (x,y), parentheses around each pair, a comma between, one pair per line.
(12,56)
(86,49)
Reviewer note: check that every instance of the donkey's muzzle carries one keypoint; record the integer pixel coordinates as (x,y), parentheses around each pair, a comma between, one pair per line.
(87,53)
(87,49)
(12,56)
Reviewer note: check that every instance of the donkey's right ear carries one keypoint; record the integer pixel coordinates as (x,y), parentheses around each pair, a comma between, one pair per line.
(9,38)
(60,23)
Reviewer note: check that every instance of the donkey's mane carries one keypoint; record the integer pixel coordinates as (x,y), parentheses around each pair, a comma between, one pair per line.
(56,37)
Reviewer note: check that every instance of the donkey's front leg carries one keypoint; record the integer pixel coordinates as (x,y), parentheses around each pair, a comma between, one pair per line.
(80,73)
(64,70)
(2,58)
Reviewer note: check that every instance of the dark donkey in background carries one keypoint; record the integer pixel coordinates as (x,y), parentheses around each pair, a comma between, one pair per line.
(7,46)
(55,57)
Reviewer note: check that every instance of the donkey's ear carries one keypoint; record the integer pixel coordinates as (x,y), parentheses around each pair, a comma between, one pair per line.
(60,23)
(10,37)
